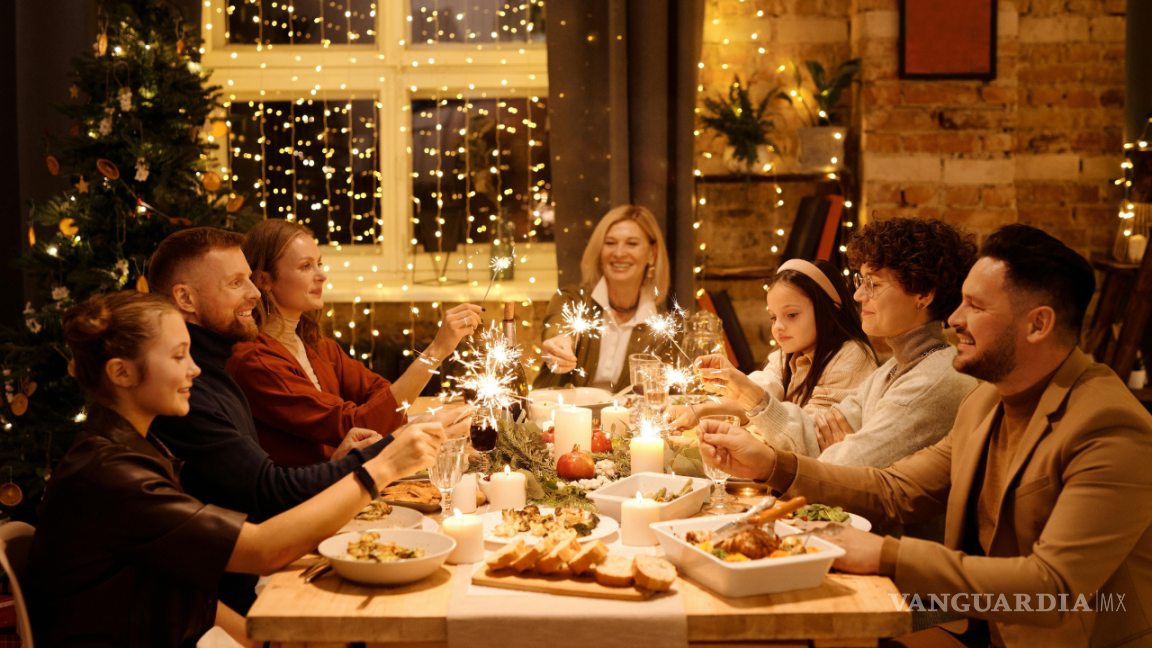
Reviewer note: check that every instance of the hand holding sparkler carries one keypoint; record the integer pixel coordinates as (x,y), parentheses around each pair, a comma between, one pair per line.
(458,323)
(558,353)
(717,371)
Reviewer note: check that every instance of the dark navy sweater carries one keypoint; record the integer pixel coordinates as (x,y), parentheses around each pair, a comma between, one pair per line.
(223,462)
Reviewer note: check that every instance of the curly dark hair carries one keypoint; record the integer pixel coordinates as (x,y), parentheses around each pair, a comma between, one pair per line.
(925,255)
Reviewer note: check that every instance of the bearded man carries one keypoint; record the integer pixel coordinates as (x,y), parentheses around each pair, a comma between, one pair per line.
(1045,477)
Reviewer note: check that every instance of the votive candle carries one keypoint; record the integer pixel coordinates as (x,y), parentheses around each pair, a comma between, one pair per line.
(508,490)
(646,454)
(635,517)
(468,532)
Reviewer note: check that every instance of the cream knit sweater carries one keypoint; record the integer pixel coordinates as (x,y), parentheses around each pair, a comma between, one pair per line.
(890,419)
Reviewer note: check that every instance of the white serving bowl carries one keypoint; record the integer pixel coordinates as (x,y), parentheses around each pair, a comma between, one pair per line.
(590,397)
(609,498)
(436,549)
(751,578)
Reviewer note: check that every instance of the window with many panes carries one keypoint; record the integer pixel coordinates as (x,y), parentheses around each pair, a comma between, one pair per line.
(411,135)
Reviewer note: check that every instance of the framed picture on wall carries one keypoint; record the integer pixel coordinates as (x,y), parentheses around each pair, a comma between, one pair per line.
(948,40)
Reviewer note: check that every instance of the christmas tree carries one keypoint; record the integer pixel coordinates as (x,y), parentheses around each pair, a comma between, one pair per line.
(138,157)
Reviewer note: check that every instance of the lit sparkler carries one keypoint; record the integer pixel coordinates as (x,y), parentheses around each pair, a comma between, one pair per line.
(499,264)
(581,319)
(489,375)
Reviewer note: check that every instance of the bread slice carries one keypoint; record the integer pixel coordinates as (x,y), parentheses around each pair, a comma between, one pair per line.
(653,573)
(558,557)
(615,571)
(534,553)
(507,555)
(589,556)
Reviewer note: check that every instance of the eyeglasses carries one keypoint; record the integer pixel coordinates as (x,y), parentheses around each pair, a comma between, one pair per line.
(866,280)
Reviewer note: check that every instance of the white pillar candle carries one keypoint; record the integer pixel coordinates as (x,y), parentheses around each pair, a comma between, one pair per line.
(542,410)
(646,454)
(573,427)
(468,532)
(615,415)
(508,490)
(464,494)
(635,517)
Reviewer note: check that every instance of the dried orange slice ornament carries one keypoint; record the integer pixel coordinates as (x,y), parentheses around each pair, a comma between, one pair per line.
(19,404)
(235,204)
(211,181)
(68,227)
(108,169)
(141,284)
(31,237)
(53,165)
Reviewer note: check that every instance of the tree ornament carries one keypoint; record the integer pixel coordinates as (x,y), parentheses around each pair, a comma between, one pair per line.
(53,165)
(82,186)
(74,131)
(141,284)
(106,123)
(125,97)
(234,205)
(31,236)
(141,170)
(29,387)
(219,128)
(101,45)
(180,46)
(74,91)
(108,169)
(68,227)
(211,181)
(60,293)
(10,493)
(19,404)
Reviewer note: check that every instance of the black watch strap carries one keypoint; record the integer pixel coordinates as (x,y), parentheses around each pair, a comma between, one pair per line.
(366,480)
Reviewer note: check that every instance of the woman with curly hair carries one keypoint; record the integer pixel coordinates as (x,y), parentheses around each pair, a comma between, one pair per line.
(909,274)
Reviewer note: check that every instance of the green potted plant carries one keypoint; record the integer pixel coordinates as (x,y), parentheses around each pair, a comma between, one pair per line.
(822,142)
(744,125)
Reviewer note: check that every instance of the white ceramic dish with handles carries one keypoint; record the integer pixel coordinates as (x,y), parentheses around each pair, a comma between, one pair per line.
(750,578)
(610,498)
(436,548)
(590,397)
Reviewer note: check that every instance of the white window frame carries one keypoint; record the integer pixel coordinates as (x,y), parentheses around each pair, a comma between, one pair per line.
(387,72)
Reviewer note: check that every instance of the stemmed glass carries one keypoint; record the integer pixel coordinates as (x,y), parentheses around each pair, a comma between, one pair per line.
(447,470)
(483,433)
(721,502)
(636,364)
(655,383)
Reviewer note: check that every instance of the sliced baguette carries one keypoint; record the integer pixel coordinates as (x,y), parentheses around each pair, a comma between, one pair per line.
(534,553)
(653,573)
(614,571)
(558,557)
(507,555)
(589,556)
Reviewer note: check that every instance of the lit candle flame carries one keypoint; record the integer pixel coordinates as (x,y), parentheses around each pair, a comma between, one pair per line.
(456,513)
(507,470)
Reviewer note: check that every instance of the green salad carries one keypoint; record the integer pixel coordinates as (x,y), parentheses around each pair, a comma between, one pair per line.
(821,513)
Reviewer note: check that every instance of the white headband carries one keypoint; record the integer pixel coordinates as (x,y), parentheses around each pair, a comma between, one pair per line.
(815,274)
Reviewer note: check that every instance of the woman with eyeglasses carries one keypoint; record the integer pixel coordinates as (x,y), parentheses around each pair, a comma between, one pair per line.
(908,279)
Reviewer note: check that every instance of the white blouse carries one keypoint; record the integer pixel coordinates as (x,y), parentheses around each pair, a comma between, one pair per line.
(614,337)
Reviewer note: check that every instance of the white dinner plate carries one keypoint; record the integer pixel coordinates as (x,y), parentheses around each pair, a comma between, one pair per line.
(854,520)
(399,518)
(491,520)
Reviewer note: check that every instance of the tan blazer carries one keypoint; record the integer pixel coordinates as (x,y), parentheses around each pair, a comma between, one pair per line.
(1075,519)
(587,350)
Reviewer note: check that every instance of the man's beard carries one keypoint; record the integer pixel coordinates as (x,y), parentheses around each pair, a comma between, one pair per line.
(992,365)
(229,326)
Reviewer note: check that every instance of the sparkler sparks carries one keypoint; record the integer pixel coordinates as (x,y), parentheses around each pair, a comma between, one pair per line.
(489,375)
(580,319)
(498,265)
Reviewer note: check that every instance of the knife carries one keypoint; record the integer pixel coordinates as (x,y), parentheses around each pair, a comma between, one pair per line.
(755,518)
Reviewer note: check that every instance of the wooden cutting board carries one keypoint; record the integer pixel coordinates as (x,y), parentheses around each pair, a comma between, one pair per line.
(563,584)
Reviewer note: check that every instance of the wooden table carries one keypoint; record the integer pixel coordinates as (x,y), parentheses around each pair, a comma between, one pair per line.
(846,610)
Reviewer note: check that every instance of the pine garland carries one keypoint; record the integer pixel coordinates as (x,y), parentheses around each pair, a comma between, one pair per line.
(137,160)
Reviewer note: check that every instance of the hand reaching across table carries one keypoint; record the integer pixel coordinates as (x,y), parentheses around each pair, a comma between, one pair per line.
(357,437)
(455,421)
(718,372)
(734,450)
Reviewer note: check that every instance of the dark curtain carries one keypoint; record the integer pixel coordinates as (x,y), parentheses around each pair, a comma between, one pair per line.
(622,89)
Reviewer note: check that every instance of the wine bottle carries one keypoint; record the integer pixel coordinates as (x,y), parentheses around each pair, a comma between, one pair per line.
(519,384)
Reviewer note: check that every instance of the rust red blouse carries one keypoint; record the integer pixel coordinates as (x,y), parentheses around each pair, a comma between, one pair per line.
(297,424)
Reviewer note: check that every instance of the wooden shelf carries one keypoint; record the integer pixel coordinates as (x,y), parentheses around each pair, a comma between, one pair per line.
(780,178)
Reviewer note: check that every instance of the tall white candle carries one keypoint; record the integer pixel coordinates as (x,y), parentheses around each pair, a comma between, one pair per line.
(573,427)
(635,517)
(468,532)
(615,415)
(508,490)
(542,410)
(464,493)
(646,454)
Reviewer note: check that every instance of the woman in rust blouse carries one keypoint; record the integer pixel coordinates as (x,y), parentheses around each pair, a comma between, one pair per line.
(306,394)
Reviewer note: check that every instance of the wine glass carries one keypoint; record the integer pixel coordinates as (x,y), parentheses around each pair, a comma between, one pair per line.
(721,502)
(655,383)
(447,470)
(483,433)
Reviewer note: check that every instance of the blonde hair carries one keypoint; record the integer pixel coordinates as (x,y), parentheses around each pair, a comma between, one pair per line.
(590,265)
(263,247)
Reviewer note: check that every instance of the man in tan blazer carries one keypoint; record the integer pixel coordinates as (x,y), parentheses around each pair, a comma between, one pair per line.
(1045,478)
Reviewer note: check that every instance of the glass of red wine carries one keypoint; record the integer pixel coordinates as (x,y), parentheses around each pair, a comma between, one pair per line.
(483,433)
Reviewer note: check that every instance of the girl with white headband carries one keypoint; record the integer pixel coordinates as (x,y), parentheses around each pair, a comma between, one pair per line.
(821,356)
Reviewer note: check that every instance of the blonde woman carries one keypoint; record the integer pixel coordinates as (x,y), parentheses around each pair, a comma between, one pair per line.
(624,279)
